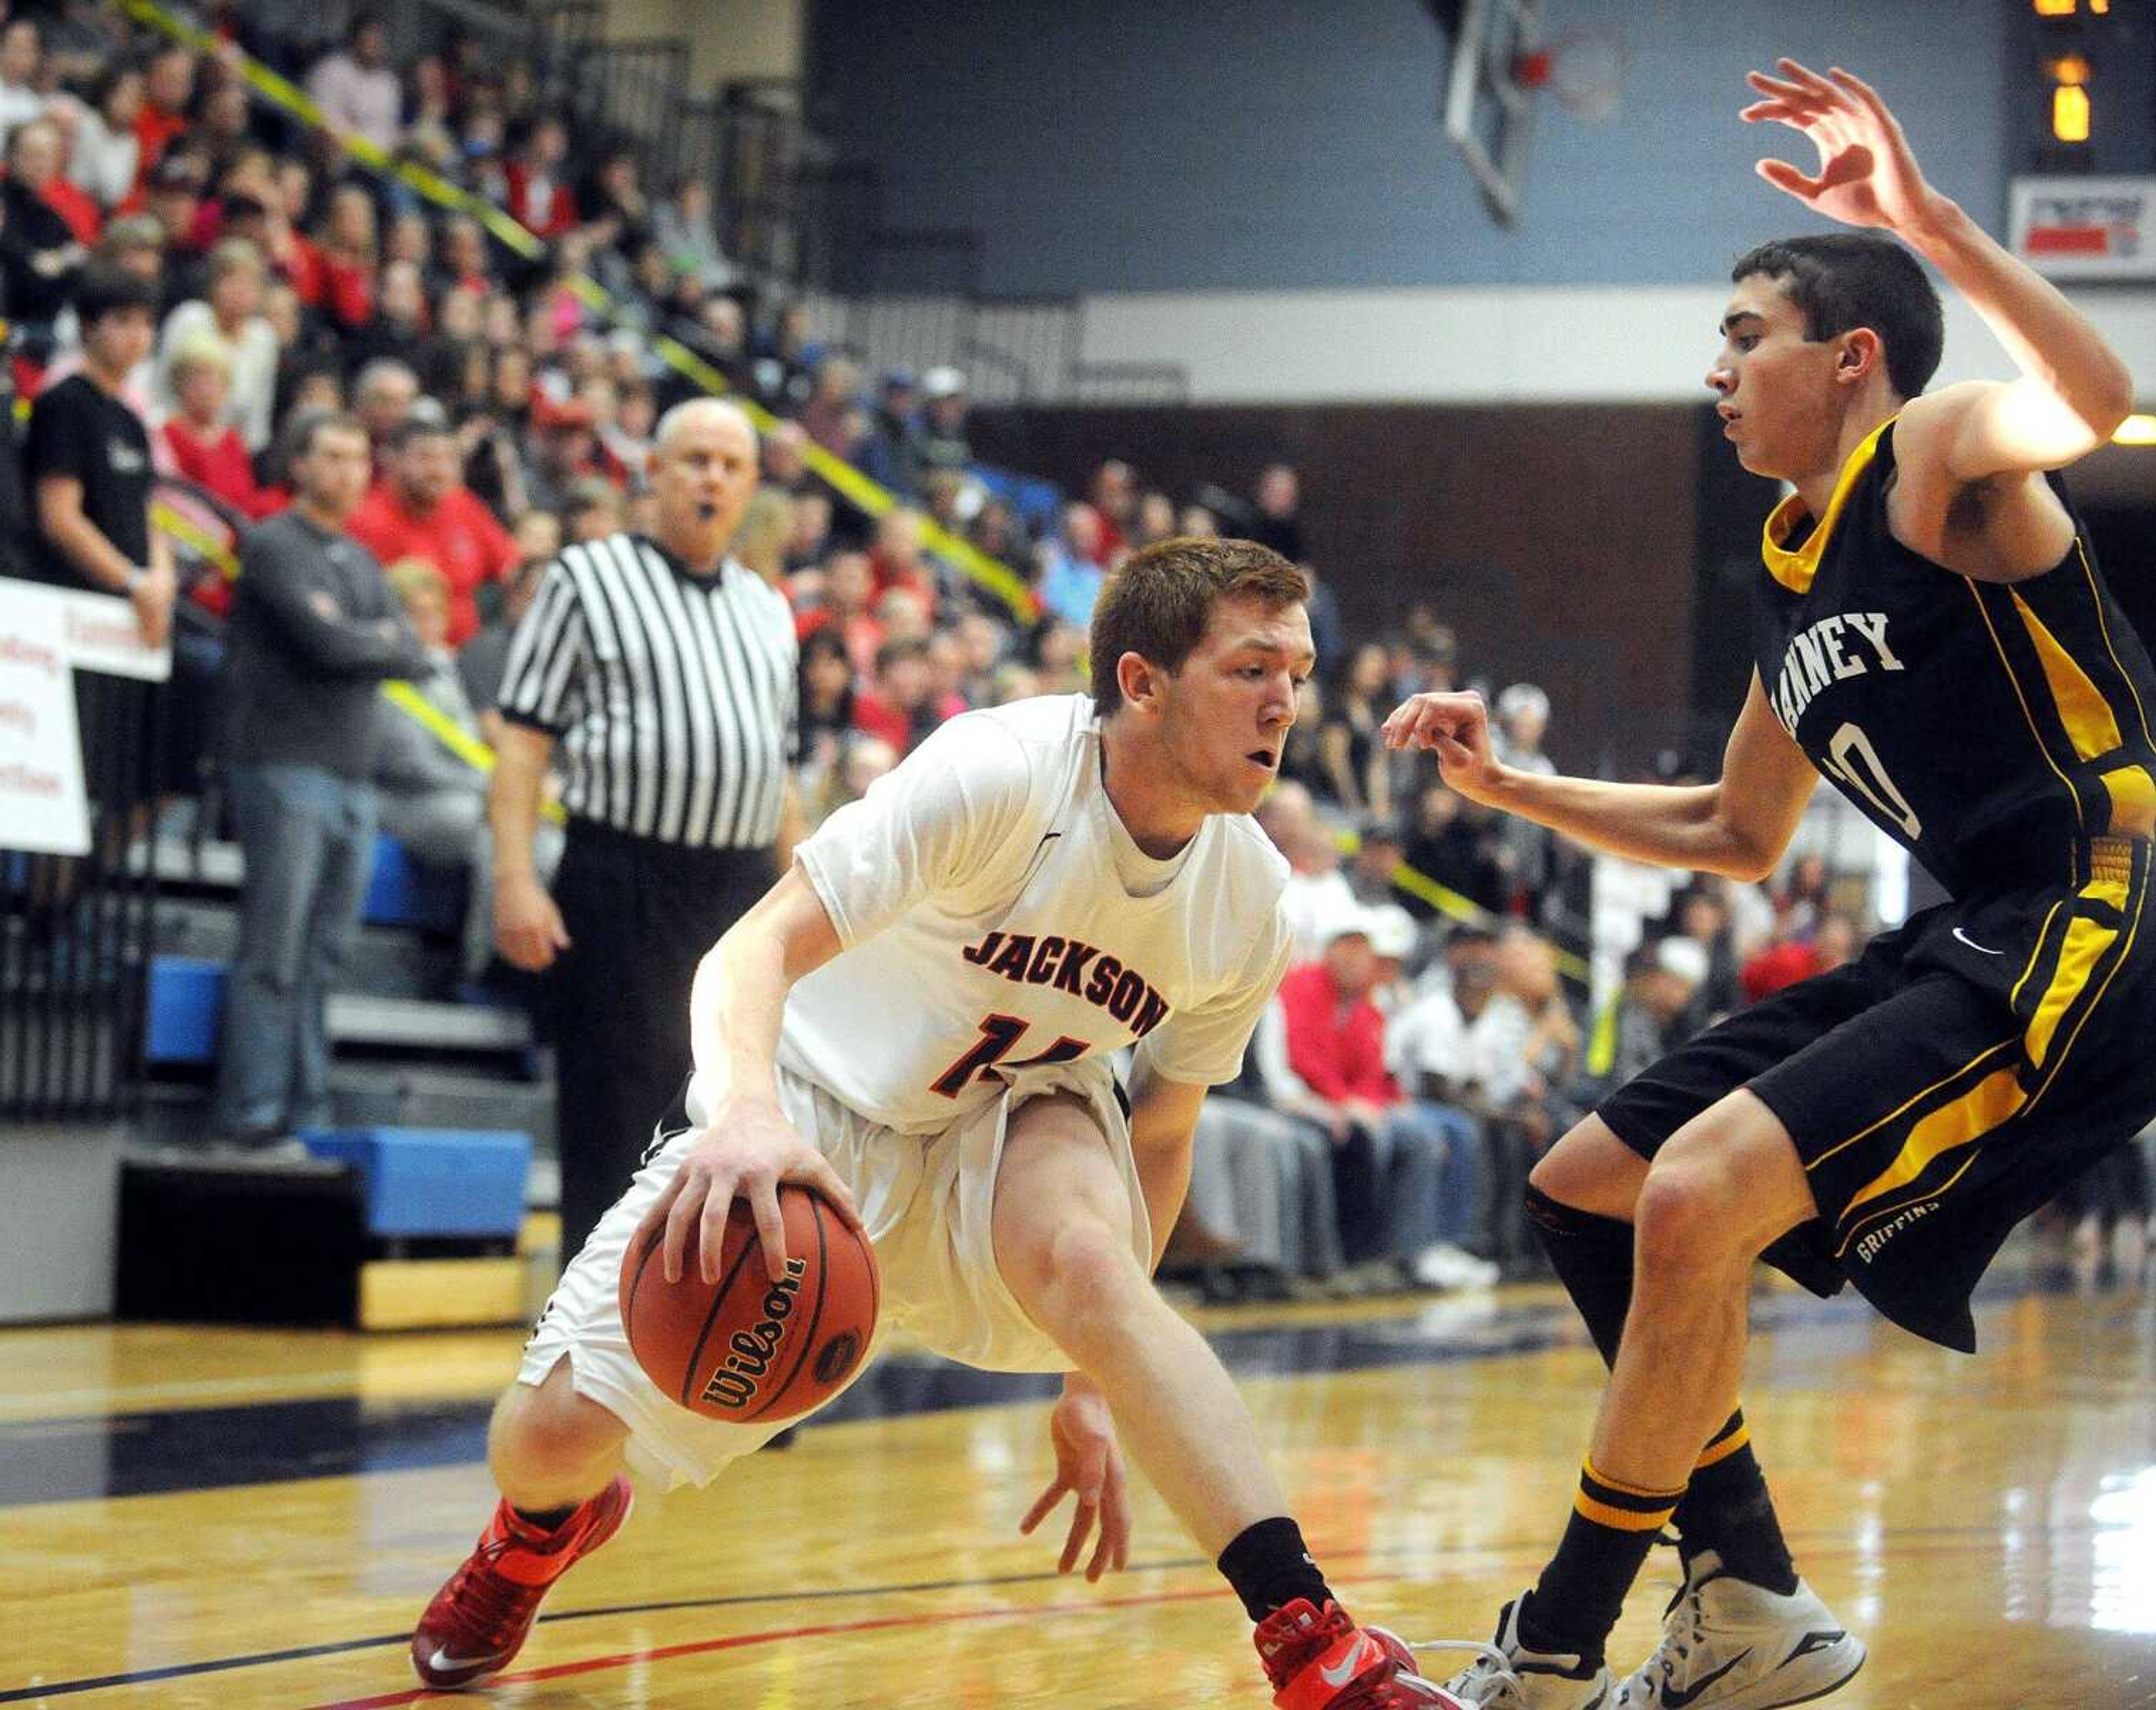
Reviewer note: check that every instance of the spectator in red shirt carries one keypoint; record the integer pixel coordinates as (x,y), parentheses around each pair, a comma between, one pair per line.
(1115,497)
(1790,959)
(423,510)
(169,85)
(290,251)
(36,153)
(897,557)
(1321,1052)
(206,449)
(900,706)
(461,261)
(347,245)
(539,199)
(848,581)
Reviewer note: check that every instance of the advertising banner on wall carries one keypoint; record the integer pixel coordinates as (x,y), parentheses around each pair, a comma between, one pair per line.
(46,635)
(2070,228)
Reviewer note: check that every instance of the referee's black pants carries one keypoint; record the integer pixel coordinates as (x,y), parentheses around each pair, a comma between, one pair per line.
(640,915)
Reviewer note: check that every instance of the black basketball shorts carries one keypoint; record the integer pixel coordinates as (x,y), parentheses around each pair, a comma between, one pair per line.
(1942,1086)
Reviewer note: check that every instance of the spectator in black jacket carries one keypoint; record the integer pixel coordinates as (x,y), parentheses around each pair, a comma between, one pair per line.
(39,256)
(315,628)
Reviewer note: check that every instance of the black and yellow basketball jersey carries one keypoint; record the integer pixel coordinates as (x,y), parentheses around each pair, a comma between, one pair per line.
(1992,730)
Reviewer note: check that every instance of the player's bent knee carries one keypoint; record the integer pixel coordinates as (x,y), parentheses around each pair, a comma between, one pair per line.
(1686,1218)
(549,1428)
(1590,1170)
(1076,1276)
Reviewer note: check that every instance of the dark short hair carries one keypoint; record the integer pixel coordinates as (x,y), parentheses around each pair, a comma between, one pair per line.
(900,648)
(1159,603)
(309,426)
(104,289)
(1841,280)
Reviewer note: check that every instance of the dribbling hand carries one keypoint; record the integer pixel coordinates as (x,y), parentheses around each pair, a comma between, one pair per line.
(1089,1465)
(746,1151)
(1454,725)
(1867,174)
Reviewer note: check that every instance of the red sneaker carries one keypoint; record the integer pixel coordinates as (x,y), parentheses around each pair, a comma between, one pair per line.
(478,1621)
(1319,1660)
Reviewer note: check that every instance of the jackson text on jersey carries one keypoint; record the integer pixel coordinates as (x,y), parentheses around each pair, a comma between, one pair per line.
(1079,969)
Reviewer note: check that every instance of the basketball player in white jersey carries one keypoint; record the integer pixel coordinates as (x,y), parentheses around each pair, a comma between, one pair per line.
(916,1021)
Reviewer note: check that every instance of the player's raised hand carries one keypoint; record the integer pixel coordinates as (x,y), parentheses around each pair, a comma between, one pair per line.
(1089,1465)
(1868,175)
(749,1148)
(1456,725)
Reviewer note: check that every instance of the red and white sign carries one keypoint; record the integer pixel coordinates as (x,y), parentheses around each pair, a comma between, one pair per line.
(2086,228)
(46,635)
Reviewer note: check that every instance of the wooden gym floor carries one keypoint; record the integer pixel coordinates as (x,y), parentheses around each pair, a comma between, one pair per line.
(242,1519)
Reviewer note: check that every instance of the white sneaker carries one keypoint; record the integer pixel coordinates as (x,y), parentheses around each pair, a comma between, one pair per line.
(1442,1265)
(1506,1675)
(1729,1645)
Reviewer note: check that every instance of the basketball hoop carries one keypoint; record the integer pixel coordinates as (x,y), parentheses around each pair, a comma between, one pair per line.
(1583,70)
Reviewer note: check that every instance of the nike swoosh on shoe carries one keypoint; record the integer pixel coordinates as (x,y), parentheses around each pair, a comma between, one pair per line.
(1367,1651)
(441,1662)
(1676,1698)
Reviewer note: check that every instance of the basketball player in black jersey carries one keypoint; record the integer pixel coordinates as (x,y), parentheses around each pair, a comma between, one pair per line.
(1932,636)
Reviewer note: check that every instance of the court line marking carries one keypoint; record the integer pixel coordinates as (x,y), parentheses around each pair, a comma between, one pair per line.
(1488,1555)
(738,1642)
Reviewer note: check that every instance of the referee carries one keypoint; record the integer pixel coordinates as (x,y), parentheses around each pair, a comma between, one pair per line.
(659,673)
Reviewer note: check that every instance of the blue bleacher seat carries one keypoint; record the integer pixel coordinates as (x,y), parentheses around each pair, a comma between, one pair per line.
(403,892)
(186,998)
(434,1181)
(1038,502)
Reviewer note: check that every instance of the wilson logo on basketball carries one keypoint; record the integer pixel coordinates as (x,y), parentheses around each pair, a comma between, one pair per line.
(739,1375)
(837,1358)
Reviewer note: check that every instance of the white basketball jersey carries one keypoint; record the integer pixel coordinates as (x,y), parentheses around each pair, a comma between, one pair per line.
(996,916)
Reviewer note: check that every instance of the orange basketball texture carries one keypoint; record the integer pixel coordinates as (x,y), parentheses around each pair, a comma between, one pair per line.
(745,1349)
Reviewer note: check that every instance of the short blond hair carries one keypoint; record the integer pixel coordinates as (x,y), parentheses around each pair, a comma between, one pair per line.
(199,351)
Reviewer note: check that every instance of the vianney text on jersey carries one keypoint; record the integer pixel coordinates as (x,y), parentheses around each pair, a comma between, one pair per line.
(1991,729)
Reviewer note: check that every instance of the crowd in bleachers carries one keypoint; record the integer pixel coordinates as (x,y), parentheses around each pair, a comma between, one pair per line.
(1424,1050)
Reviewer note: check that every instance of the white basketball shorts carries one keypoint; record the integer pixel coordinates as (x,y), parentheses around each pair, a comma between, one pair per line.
(926,1201)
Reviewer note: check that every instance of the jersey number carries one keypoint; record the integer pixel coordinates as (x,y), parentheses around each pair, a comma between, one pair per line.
(1857,764)
(1000,1038)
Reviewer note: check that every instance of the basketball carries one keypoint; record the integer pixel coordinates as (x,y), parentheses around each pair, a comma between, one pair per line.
(745,1349)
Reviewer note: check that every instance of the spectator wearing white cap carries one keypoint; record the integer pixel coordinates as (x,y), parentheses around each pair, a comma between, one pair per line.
(945,404)
(1523,712)
(1318,891)
(1645,1019)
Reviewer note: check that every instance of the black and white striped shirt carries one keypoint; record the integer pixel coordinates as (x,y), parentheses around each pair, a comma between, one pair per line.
(671,697)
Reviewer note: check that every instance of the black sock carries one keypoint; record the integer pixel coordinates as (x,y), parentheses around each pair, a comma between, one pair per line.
(1592,1258)
(1269,1566)
(1581,1594)
(546,1519)
(1727,1509)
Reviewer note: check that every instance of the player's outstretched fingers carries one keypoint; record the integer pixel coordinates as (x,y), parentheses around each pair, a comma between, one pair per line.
(659,1222)
(1114,1553)
(816,1173)
(762,1192)
(1081,1527)
(719,1192)
(1044,1505)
